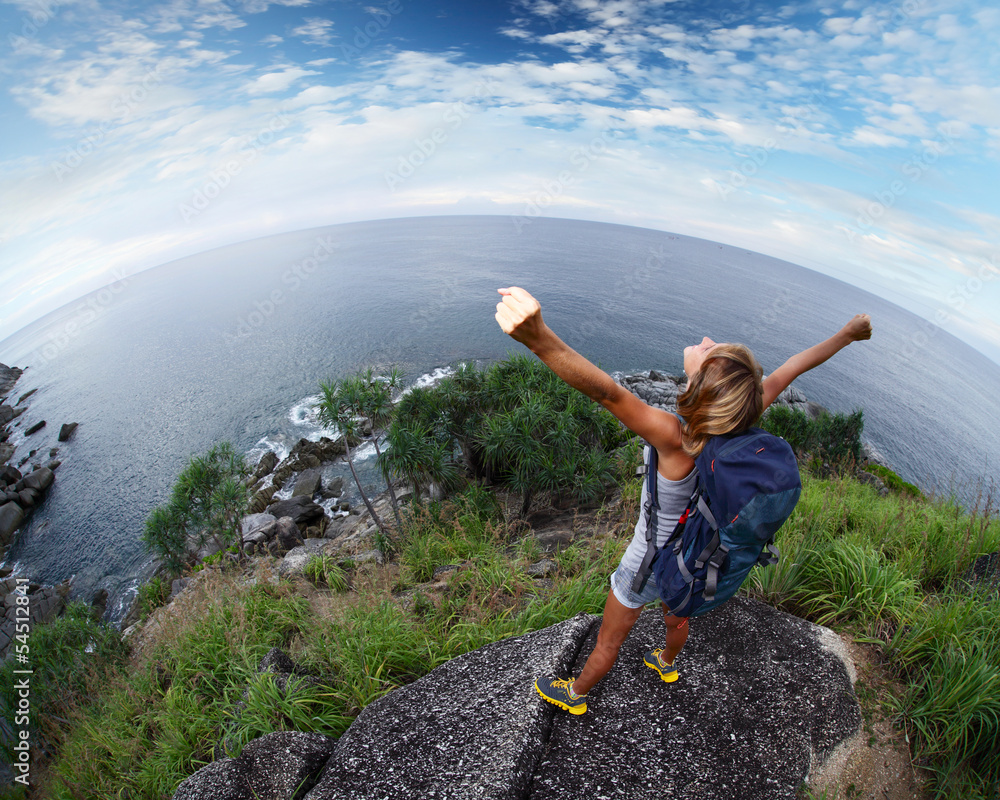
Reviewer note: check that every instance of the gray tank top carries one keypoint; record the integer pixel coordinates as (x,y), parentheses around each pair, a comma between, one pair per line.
(673,497)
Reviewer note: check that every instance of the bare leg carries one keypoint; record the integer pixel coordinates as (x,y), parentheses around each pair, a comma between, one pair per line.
(615,626)
(677,634)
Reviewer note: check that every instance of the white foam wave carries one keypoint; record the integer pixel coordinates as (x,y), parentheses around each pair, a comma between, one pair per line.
(429,379)
(304,415)
(276,442)
(364,451)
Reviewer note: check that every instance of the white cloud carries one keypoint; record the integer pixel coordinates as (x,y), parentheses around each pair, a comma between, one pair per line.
(872,136)
(274,82)
(677,107)
(315,31)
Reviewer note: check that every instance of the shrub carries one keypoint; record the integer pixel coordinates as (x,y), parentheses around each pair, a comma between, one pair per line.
(893,481)
(208,501)
(834,439)
(516,424)
(322,569)
(152,595)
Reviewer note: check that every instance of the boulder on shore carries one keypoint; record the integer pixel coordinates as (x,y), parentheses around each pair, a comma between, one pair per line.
(11,517)
(302,510)
(8,377)
(35,428)
(308,483)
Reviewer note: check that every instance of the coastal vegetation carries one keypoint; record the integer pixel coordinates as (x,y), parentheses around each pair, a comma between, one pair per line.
(361,405)
(207,504)
(515,425)
(898,572)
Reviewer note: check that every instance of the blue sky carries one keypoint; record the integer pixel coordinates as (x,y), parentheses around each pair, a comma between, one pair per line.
(857,139)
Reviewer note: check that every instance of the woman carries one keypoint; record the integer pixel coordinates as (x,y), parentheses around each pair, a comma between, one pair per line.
(725,393)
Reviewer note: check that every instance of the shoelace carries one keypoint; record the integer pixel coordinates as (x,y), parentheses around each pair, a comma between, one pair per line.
(568,686)
(659,660)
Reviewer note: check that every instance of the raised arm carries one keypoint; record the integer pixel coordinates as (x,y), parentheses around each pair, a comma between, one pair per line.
(520,316)
(859,328)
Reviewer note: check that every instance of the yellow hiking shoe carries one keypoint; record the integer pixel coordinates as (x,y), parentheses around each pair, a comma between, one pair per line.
(667,671)
(560,693)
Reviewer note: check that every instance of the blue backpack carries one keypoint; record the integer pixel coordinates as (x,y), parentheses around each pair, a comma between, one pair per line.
(746,487)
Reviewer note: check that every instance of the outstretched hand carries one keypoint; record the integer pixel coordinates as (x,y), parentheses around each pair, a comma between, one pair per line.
(860,327)
(519,315)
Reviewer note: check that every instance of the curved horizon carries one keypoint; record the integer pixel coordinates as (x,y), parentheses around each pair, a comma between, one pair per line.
(859,143)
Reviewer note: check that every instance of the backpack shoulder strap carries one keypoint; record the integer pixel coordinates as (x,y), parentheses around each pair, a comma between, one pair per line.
(650,511)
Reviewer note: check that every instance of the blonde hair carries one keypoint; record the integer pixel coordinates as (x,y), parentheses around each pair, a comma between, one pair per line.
(725,396)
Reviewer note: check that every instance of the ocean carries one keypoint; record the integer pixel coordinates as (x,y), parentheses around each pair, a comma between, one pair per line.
(232,344)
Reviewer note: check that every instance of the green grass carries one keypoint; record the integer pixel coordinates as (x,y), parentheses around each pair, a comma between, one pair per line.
(894,482)
(887,569)
(892,568)
(324,570)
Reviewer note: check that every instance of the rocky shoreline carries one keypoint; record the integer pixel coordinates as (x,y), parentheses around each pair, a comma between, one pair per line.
(313,520)
(296,528)
(21,491)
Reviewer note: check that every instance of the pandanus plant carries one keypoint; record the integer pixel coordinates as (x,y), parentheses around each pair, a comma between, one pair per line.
(208,500)
(360,406)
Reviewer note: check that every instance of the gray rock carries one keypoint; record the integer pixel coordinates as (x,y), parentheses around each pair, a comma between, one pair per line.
(39,480)
(555,539)
(404,495)
(7,630)
(10,474)
(205,549)
(655,388)
(11,517)
(287,534)
(255,522)
(27,499)
(67,430)
(6,452)
(984,573)
(874,481)
(345,530)
(46,607)
(178,586)
(308,483)
(325,449)
(336,486)
(301,509)
(8,377)
(276,660)
(542,569)
(35,428)
(267,462)
(260,500)
(295,560)
(100,603)
(763,702)
(426,740)
(814,410)
(273,767)
(791,396)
